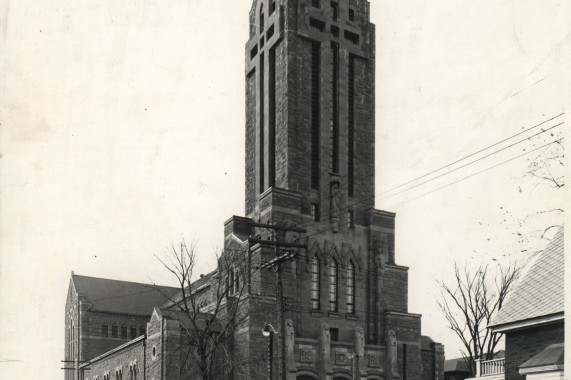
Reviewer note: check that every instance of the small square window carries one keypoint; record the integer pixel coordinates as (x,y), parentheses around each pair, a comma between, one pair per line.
(315,3)
(334,332)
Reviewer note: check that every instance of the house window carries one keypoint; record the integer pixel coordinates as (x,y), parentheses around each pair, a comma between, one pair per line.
(133,332)
(105,330)
(350,219)
(333,285)
(142,331)
(237,284)
(315,3)
(114,331)
(123,332)
(315,289)
(350,288)
(315,212)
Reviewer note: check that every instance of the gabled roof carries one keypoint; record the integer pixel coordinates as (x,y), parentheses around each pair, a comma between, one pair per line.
(456,365)
(539,294)
(197,286)
(199,320)
(121,297)
(551,355)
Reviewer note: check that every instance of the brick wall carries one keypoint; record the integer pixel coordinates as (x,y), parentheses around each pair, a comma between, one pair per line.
(395,296)
(250,173)
(154,344)
(427,365)
(131,357)
(93,342)
(523,344)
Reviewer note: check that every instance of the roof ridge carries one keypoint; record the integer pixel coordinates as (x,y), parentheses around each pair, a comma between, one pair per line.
(123,281)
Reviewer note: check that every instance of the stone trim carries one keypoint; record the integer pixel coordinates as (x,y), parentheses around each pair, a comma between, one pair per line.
(400,314)
(528,323)
(115,350)
(546,368)
(397,267)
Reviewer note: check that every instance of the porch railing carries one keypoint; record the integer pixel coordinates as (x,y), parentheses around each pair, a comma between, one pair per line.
(490,367)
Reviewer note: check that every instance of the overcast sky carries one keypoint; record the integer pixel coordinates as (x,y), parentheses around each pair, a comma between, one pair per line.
(122,131)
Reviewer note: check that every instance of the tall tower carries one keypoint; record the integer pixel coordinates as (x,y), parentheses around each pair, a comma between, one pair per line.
(310,160)
(310,106)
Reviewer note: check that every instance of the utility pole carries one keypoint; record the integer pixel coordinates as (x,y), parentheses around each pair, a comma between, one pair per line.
(284,251)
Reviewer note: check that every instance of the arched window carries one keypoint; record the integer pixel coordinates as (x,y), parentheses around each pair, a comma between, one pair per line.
(71,341)
(134,372)
(333,285)
(350,288)
(315,288)
(237,285)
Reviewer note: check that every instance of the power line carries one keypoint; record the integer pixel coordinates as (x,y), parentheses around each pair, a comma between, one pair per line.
(472,154)
(485,170)
(470,163)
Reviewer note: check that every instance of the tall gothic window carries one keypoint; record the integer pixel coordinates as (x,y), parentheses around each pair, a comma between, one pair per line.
(262,18)
(315,283)
(350,288)
(231,282)
(333,285)
(71,341)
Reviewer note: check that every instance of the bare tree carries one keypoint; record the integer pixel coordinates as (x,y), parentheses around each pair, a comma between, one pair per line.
(547,168)
(208,309)
(549,165)
(470,302)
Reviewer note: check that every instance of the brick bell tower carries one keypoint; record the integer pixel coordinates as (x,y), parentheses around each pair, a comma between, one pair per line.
(310,160)
(310,106)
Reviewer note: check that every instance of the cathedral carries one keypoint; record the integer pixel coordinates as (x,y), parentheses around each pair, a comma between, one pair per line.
(312,277)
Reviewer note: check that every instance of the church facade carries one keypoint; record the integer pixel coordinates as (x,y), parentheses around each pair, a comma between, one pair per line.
(310,163)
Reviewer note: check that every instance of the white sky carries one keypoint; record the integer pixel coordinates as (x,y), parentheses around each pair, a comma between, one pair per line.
(122,130)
